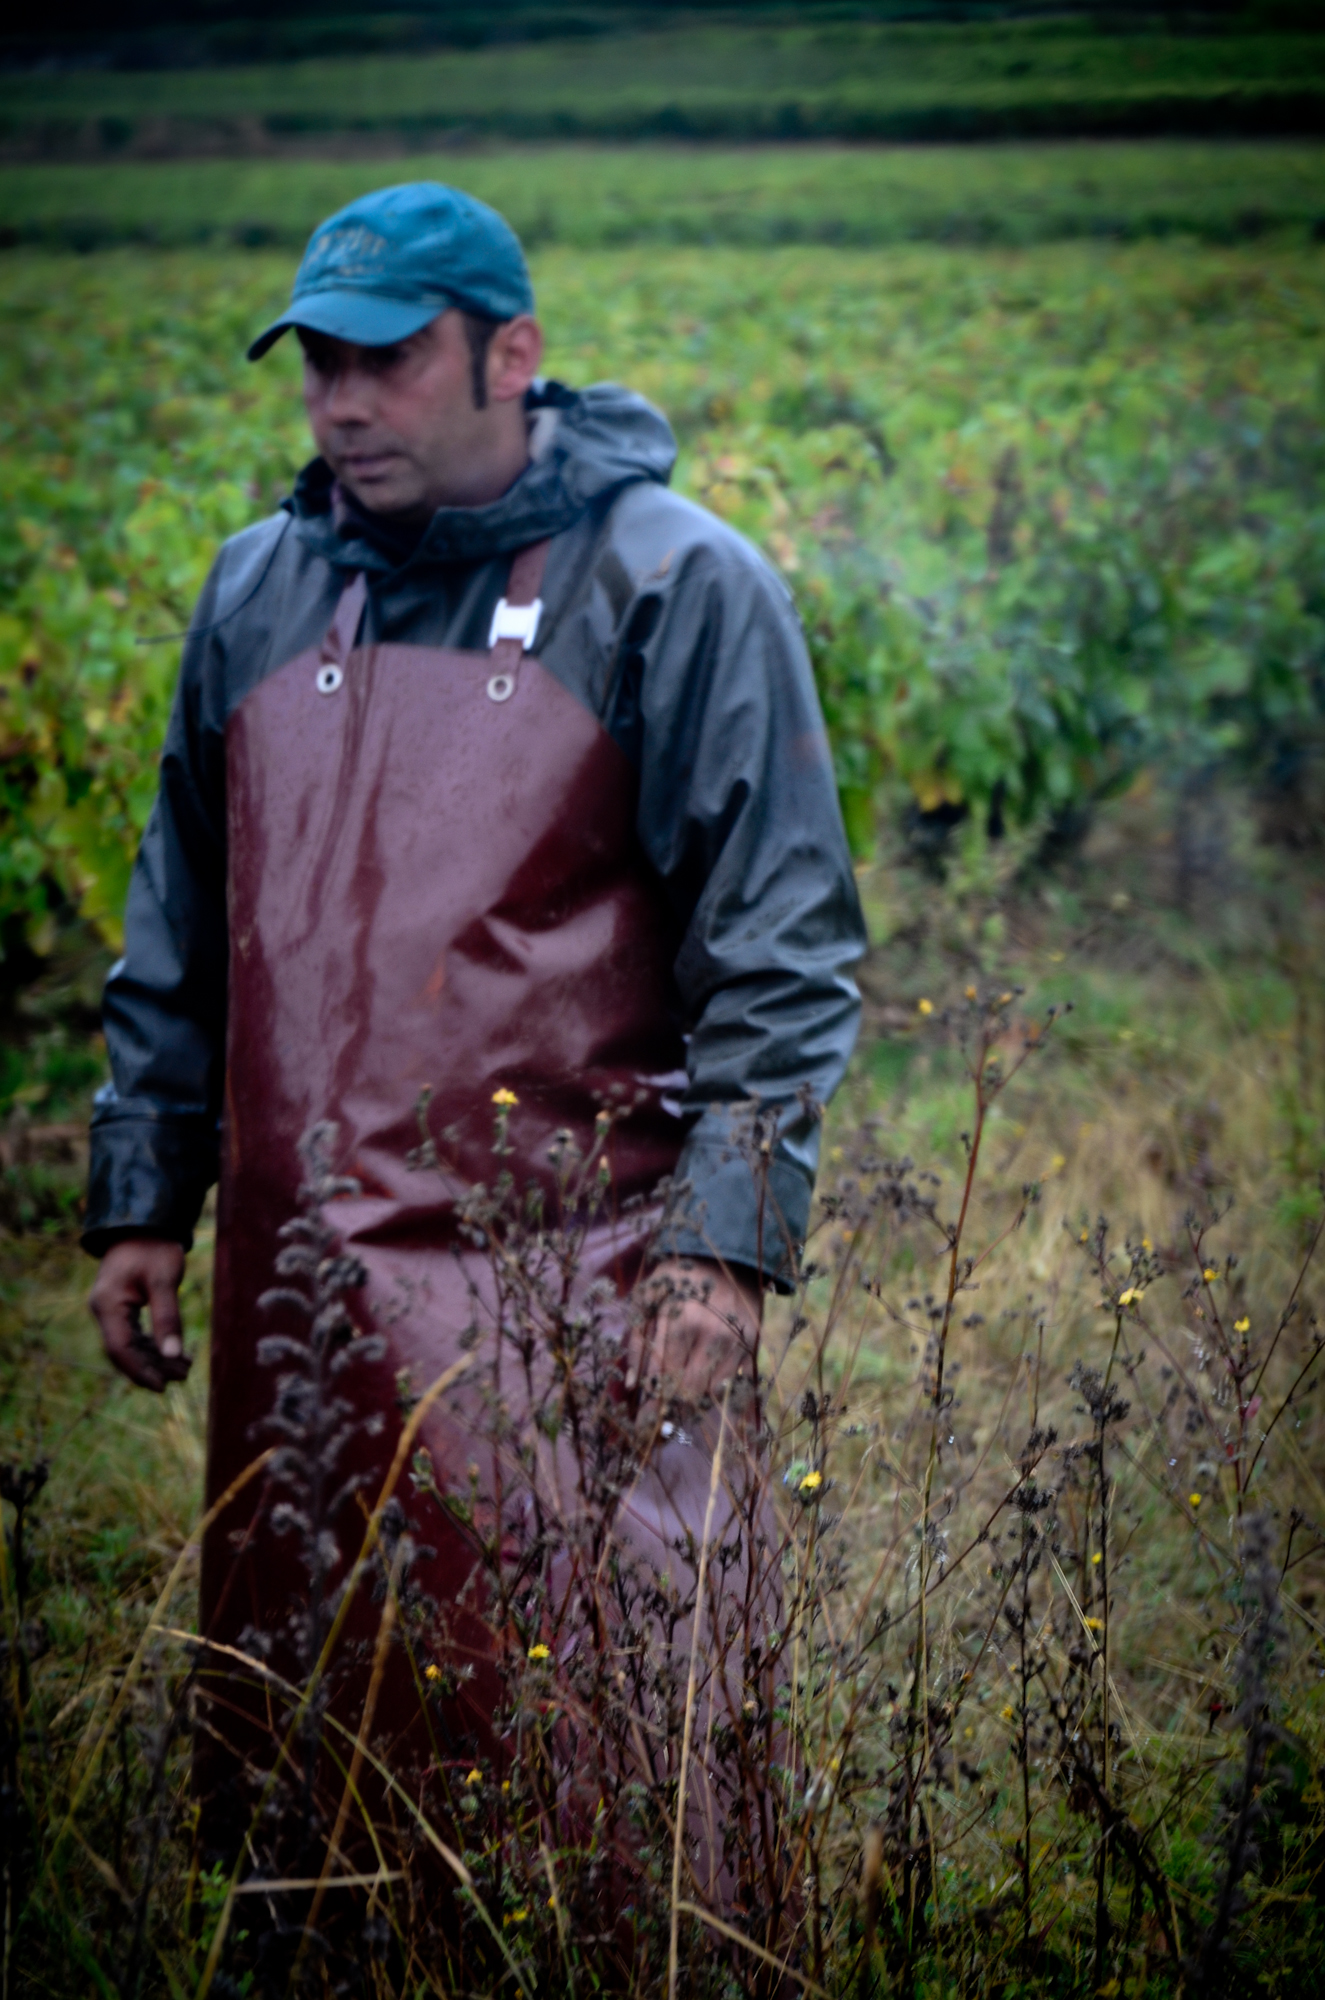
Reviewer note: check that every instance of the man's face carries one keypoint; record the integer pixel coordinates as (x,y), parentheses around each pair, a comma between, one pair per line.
(399,425)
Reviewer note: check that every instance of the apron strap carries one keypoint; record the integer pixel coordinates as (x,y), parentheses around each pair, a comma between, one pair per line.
(526,577)
(343,629)
(507,646)
(505,652)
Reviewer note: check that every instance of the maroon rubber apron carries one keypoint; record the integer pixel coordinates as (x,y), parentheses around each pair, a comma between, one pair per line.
(434,883)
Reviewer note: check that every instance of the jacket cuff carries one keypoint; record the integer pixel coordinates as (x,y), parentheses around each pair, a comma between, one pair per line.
(148,1173)
(729,1211)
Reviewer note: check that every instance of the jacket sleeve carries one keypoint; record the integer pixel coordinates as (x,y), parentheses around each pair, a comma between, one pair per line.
(739,813)
(154,1125)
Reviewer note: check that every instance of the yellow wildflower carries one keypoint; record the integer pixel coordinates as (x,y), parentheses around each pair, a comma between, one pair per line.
(432,1673)
(970,992)
(1194,1499)
(504,1099)
(518,1916)
(1132,1296)
(1094,1624)
(474,1777)
(1242,1326)
(811,1482)
(925,1006)
(540,1652)
(1209,1274)
(1146,1243)
(1098,1556)
(1084,1236)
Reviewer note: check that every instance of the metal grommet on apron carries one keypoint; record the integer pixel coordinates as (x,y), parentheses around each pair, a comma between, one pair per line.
(515,622)
(336,648)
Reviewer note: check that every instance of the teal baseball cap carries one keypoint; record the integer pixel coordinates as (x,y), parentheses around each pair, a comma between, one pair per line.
(390,262)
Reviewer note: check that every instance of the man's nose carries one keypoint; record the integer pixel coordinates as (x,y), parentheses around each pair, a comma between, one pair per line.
(348,397)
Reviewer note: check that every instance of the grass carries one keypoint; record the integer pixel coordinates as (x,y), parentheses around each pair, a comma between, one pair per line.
(1188,1080)
(605,197)
(846,79)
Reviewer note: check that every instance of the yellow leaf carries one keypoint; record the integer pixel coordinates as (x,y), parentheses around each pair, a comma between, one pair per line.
(933,789)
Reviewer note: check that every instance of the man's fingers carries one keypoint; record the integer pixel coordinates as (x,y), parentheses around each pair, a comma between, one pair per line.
(134,1274)
(170,1367)
(693,1352)
(711,1365)
(167,1330)
(698,1331)
(127,1347)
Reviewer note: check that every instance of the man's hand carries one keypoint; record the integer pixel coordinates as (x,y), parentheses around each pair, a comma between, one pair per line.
(701,1332)
(142,1271)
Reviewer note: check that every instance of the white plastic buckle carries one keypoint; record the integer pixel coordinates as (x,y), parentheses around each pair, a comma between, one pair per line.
(516,621)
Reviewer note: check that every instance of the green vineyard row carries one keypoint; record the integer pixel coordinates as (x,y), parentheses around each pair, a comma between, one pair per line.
(1051,516)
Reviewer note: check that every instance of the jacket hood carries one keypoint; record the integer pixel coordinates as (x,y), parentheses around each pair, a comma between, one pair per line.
(585,445)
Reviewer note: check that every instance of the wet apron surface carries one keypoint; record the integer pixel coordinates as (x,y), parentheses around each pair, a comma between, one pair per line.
(434,884)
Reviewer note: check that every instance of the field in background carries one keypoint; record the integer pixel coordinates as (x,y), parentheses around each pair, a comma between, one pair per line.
(604,197)
(1052,512)
(1050,515)
(705,80)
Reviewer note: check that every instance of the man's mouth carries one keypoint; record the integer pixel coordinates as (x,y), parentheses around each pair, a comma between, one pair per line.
(370,465)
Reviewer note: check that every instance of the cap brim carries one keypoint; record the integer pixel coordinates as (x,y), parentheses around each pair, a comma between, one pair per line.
(356,316)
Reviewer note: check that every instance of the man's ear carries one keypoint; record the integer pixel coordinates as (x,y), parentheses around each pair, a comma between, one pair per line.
(514,355)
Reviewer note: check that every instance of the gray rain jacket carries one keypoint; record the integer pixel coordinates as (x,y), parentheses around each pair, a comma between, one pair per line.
(678,637)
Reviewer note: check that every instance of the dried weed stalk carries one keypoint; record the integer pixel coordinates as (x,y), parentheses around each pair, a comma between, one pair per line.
(985,1666)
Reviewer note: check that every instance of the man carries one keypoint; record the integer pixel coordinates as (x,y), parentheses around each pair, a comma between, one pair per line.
(441,453)
(495,771)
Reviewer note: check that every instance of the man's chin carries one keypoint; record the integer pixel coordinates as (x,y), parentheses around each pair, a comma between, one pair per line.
(392,498)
